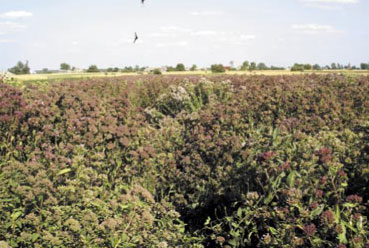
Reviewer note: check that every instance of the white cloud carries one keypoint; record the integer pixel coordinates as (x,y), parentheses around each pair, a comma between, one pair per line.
(11,26)
(207,13)
(162,35)
(245,37)
(328,4)
(315,28)
(173,44)
(205,33)
(331,1)
(16,14)
(6,41)
(238,39)
(175,29)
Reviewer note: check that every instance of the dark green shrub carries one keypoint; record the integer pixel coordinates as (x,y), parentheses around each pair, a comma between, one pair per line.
(217,68)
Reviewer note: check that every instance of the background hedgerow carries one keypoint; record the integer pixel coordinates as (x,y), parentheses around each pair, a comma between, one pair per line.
(175,161)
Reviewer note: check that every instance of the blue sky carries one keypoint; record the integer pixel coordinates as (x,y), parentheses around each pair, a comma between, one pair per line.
(202,32)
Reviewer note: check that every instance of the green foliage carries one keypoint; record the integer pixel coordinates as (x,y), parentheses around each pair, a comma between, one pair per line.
(297,67)
(93,68)
(316,67)
(217,68)
(245,66)
(65,66)
(20,68)
(262,66)
(180,67)
(364,66)
(252,66)
(156,71)
(175,161)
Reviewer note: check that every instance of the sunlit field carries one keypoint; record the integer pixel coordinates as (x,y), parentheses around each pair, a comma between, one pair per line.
(61,76)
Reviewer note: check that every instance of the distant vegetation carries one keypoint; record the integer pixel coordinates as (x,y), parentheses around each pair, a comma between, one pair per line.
(65,67)
(20,68)
(217,68)
(23,68)
(93,68)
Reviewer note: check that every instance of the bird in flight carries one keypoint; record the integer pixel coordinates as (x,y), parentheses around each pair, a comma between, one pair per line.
(142,1)
(136,38)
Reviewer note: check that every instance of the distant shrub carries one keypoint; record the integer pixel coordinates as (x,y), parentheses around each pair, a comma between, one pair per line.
(93,68)
(156,72)
(297,67)
(20,68)
(217,68)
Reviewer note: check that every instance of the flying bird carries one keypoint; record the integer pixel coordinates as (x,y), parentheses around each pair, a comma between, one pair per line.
(142,1)
(136,38)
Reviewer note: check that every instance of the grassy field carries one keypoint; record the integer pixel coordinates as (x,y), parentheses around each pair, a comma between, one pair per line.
(56,76)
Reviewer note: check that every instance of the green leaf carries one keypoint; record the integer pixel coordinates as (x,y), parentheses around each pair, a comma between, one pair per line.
(269,198)
(317,211)
(342,236)
(239,213)
(273,230)
(16,215)
(233,242)
(62,172)
(35,236)
(337,214)
(291,179)
(124,206)
(349,205)
(207,222)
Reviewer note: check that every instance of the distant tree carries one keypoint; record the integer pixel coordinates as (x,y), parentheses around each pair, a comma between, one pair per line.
(171,68)
(252,66)
(334,66)
(297,67)
(308,67)
(262,66)
(364,66)
(193,68)
(44,71)
(217,68)
(245,66)
(180,67)
(156,71)
(127,69)
(20,68)
(93,68)
(276,68)
(316,67)
(65,67)
(111,69)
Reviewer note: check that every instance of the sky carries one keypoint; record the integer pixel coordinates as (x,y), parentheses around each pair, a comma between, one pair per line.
(201,32)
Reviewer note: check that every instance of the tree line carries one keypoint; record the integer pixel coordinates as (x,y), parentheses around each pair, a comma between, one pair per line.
(23,68)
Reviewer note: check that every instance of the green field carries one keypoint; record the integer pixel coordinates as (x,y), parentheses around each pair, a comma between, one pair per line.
(61,76)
